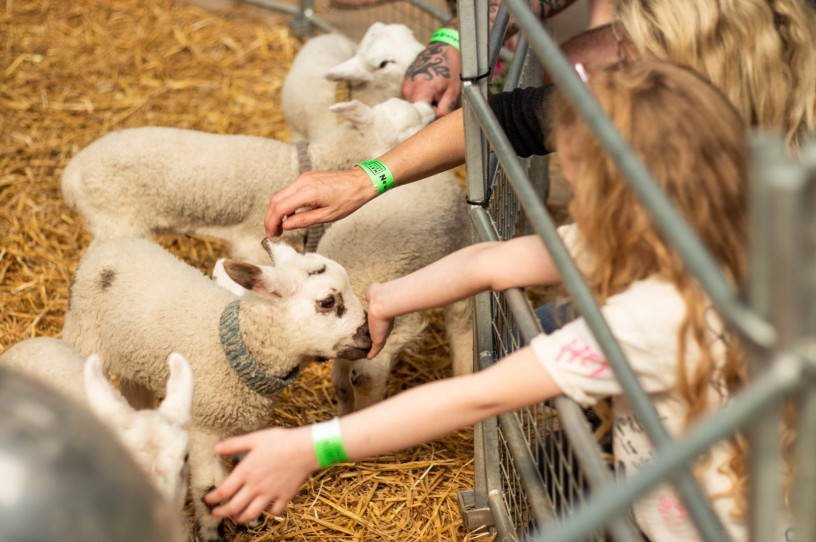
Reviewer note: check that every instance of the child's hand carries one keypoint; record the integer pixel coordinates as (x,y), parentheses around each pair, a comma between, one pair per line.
(379,328)
(278,463)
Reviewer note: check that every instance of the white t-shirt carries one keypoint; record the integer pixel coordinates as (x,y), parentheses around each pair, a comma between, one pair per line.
(645,320)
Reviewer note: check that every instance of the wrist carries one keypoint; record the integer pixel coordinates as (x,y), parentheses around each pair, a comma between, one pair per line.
(378,174)
(448,36)
(327,443)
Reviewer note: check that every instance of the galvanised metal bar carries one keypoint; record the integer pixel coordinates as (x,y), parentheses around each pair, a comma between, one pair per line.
(693,498)
(670,223)
(778,213)
(787,375)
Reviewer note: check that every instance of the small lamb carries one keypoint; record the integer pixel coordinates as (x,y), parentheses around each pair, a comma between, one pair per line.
(391,236)
(141,181)
(156,438)
(133,303)
(373,72)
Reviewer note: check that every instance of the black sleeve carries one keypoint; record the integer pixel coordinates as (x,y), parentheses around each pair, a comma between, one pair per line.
(526,116)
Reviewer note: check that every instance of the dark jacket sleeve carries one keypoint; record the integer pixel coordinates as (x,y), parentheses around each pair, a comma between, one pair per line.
(526,116)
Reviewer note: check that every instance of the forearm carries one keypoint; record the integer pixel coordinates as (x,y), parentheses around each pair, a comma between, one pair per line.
(523,261)
(438,147)
(435,409)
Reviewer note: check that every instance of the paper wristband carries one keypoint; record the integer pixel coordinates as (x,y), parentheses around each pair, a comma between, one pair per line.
(446,35)
(379,174)
(328,444)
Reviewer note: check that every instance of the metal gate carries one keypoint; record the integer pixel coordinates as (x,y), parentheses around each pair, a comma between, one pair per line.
(540,474)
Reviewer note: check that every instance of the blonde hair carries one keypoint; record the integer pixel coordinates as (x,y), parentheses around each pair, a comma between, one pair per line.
(691,139)
(760,53)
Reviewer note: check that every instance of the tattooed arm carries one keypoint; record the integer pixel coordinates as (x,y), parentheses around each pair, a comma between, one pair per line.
(434,75)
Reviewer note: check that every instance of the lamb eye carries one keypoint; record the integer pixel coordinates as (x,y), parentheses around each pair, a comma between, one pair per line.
(327,303)
(385,63)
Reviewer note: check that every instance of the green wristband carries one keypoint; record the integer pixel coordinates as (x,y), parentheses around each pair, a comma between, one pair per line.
(379,174)
(328,444)
(446,35)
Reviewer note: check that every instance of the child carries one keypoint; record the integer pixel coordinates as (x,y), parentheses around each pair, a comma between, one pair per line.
(691,139)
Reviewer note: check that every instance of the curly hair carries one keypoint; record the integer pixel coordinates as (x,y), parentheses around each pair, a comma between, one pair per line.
(691,139)
(760,53)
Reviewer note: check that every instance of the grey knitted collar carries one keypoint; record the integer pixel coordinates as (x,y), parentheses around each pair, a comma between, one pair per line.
(244,364)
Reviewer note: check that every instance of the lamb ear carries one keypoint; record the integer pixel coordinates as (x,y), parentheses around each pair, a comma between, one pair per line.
(352,70)
(178,403)
(279,252)
(263,281)
(221,278)
(354,111)
(103,398)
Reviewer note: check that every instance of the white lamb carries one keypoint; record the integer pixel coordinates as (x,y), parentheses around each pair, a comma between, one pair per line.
(141,181)
(156,438)
(133,302)
(372,72)
(393,235)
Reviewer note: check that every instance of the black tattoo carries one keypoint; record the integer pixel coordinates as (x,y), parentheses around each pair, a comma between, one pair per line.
(430,63)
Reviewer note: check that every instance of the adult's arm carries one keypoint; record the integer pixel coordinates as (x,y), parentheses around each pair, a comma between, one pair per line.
(434,75)
(332,195)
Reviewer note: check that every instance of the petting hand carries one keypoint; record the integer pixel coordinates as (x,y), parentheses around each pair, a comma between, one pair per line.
(277,465)
(434,77)
(331,195)
(379,328)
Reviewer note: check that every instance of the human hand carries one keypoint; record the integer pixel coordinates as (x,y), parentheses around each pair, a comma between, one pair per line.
(379,328)
(277,465)
(434,77)
(331,195)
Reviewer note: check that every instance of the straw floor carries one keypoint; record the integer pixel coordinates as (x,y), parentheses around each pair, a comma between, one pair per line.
(75,70)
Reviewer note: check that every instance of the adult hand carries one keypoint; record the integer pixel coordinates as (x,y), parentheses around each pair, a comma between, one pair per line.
(434,77)
(379,328)
(277,465)
(331,195)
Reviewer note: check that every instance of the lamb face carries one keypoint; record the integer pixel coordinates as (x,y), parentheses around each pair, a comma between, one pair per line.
(380,61)
(320,318)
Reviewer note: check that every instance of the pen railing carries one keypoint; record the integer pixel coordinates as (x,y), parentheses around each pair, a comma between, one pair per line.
(540,472)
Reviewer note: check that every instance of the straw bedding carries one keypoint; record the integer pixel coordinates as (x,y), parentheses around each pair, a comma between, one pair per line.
(73,71)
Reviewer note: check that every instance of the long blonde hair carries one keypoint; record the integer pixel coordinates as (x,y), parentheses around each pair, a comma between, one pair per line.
(760,53)
(691,139)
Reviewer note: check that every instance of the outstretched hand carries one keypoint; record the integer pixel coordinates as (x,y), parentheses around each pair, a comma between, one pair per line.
(330,195)
(379,328)
(277,465)
(434,77)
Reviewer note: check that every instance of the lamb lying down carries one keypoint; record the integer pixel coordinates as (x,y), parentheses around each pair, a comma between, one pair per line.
(142,181)
(133,303)
(156,438)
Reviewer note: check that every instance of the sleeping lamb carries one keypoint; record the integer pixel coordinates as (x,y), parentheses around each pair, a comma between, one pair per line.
(133,303)
(156,438)
(141,181)
(372,72)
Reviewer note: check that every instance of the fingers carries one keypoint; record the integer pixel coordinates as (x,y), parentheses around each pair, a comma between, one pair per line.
(235,445)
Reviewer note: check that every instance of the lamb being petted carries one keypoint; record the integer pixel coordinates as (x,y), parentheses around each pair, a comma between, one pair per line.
(133,302)
(371,71)
(141,181)
(157,438)
(393,235)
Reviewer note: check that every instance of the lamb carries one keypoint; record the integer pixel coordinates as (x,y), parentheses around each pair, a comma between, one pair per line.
(371,71)
(141,181)
(133,303)
(393,235)
(157,439)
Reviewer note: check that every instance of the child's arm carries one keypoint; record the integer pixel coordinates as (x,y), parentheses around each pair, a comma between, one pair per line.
(523,261)
(280,460)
